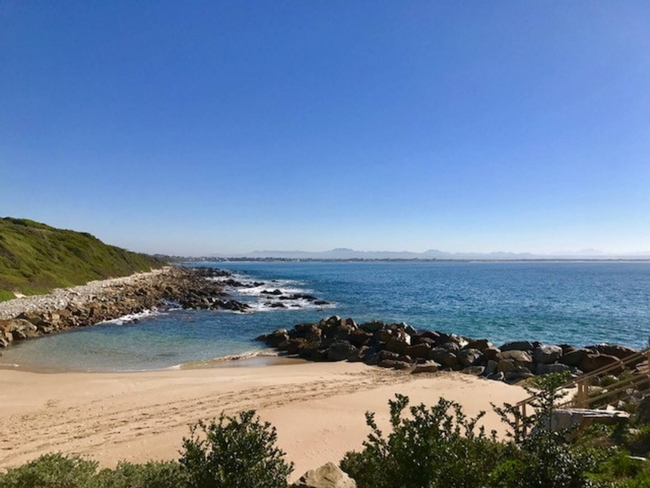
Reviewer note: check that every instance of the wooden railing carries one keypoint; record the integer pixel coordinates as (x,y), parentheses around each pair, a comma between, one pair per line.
(638,379)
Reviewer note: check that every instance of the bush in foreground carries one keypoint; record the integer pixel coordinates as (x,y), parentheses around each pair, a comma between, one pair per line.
(51,471)
(436,446)
(236,452)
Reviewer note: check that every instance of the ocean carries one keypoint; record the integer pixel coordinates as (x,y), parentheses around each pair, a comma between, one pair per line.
(577,303)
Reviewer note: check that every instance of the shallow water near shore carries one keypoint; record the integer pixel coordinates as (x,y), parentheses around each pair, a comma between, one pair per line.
(564,302)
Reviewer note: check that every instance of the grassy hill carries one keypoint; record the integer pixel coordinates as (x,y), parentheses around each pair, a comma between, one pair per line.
(35,258)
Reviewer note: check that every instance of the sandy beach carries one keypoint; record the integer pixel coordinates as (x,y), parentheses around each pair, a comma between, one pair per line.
(318,408)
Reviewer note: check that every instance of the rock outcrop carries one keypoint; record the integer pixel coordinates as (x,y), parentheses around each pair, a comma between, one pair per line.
(401,347)
(188,288)
(327,476)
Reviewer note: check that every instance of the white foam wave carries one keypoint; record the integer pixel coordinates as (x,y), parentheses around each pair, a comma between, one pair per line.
(202,363)
(134,317)
(299,304)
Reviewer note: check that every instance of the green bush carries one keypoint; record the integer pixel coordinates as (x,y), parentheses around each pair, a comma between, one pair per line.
(436,446)
(51,471)
(544,460)
(149,475)
(236,452)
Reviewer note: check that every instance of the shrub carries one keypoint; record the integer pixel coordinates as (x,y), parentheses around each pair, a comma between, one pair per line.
(544,459)
(235,452)
(436,446)
(51,471)
(149,475)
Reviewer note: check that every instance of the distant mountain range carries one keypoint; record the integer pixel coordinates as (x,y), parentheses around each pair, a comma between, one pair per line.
(351,254)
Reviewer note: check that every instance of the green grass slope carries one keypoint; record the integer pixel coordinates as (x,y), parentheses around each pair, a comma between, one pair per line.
(35,258)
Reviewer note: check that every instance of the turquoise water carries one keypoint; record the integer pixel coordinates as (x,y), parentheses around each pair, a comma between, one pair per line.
(575,303)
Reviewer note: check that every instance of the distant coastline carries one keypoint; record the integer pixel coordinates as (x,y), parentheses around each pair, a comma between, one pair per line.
(405,260)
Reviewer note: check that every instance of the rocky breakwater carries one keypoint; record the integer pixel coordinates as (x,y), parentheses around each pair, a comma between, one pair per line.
(400,346)
(96,302)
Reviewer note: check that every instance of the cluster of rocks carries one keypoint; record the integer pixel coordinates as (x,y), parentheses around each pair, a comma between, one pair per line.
(99,302)
(279,295)
(400,346)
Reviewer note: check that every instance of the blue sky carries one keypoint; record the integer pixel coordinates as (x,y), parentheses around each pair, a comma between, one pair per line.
(215,127)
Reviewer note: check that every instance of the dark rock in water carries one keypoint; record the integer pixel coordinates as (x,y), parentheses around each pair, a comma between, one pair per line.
(275,305)
(277,337)
(275,292)
(547,354)
(517,346)
(321,302)
(341,350)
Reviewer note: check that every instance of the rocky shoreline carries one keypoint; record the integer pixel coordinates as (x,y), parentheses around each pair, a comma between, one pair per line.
(99,301)
(400,346)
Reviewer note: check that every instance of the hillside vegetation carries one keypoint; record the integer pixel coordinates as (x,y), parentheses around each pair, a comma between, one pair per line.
(35,258)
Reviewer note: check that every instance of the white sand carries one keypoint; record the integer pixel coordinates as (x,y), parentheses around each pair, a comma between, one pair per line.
(318,408)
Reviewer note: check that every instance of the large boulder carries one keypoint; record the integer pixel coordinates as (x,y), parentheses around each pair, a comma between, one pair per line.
(592,361)
(620,352)
(517,346)
(547,354)
(480,344)
(372,327)
(517,357)
(398,344)
(572,357)
(469,357)
(419,351)
(426,367)
(358,337)
(308,331)
(444,357)
(277,337)
(327,476)
(341,350)
(491,353)
(490,367)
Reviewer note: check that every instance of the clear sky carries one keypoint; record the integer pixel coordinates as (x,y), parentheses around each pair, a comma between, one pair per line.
(213,127)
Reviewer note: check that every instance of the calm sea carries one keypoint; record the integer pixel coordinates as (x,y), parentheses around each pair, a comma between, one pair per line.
(575,303)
